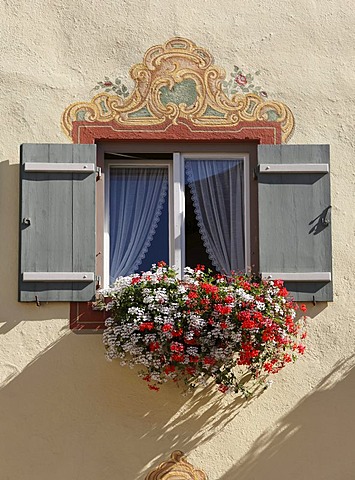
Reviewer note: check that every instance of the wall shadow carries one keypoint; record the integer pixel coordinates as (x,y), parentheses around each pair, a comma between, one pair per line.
(71,414)
(12,312)
(314,441)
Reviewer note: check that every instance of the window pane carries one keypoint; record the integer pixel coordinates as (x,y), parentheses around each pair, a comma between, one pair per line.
(214,209)
(139,227)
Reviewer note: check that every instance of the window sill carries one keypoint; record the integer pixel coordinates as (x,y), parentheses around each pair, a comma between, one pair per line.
(83,318)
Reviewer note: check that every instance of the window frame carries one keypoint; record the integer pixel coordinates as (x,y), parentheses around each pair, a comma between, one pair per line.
(176,176)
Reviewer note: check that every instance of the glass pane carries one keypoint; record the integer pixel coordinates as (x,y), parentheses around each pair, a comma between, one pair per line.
(139,225)
(214,212)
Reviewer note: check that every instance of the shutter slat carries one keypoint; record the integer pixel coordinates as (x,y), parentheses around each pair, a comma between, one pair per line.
(294,168)
(294,210)
(60,167)
(51,200)
(58,276)
(299,277)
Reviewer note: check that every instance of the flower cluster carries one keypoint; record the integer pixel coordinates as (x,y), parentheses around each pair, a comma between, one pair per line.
(201,326)
(241,82)
(114,86)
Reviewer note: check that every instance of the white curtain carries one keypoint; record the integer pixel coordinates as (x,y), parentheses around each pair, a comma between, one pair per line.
(217,194)
(137,197)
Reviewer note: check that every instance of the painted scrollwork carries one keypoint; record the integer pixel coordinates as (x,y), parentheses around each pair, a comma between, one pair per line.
(179,80)
(176,468)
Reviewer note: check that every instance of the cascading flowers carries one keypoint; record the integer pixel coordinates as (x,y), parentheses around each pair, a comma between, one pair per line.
(201,326)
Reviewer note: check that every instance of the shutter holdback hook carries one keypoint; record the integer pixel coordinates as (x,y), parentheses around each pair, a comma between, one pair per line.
(38,303)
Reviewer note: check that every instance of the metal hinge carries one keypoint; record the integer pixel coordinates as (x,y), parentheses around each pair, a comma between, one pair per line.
(98,173)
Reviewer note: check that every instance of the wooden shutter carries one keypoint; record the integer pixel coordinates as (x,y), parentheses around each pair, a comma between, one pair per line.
(57,222)
(294,218)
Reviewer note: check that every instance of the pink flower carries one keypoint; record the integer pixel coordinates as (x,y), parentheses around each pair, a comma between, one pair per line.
(241,79)
(208,288)
(176,357)
(209,361)
(287,358)
(167,327)
(177,333)
(223,309)
(176,347)
(223,388)
(169,369)
(154,346)
(153,387)
(194,359)
(283,292)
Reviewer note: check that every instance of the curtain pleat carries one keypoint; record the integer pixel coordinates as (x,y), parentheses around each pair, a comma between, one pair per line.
(137,196)
(217,194)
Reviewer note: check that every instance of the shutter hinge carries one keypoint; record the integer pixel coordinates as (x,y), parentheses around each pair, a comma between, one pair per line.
(98,173)
(325,216)
(255,173)
(98,281)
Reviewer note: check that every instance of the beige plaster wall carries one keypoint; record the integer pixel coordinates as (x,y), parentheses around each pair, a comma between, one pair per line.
(65,413)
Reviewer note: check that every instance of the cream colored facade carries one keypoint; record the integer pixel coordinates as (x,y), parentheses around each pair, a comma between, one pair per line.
(65,412)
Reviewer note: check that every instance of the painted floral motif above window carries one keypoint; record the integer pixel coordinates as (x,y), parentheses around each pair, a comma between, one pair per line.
(178,83)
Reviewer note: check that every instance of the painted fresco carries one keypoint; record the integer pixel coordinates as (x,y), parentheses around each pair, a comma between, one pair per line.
(176,82)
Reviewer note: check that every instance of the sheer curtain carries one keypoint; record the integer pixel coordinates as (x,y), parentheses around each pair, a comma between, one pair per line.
(137,196)
(217,194)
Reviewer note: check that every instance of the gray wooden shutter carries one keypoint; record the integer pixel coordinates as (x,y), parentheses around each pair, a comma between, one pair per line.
(57,222)
(294,218)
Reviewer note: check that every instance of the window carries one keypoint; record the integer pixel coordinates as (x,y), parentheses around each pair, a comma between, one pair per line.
(185,209)
(231,204)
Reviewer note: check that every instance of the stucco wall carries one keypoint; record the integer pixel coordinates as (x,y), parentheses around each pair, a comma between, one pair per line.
(67,413)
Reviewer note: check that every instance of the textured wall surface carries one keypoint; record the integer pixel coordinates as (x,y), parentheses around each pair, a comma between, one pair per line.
(66,413)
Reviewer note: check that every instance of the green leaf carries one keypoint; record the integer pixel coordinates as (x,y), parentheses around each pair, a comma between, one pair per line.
(118,81)
(224,83)
(124,88)
(233,92)
(258,72)
(248,77)
(107,90)
(97,87)
(107,79)
(257,88)
(236,69)
(251,86)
